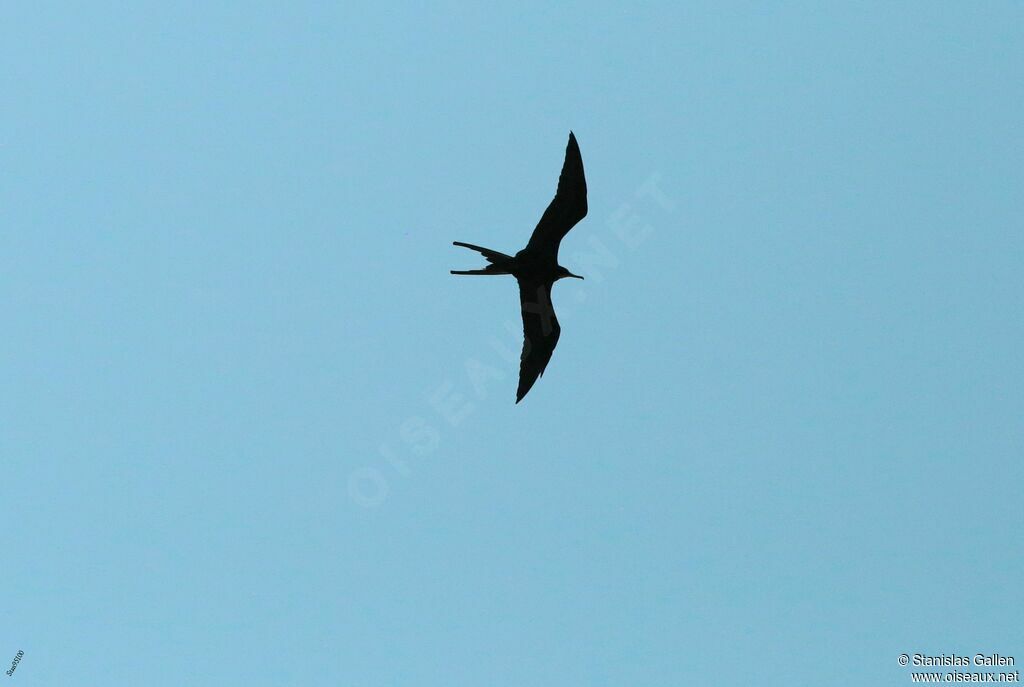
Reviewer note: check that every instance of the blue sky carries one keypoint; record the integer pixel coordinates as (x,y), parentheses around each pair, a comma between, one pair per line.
(252,431)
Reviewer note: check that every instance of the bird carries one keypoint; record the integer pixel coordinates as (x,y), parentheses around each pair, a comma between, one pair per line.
(536,268)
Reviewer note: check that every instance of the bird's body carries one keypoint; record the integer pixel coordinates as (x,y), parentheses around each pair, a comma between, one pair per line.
(536,268)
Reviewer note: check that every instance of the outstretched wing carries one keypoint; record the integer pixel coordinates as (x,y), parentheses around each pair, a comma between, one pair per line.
(540,332)
(569,205)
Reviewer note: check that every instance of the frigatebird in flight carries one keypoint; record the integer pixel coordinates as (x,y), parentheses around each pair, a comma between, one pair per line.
(536,268)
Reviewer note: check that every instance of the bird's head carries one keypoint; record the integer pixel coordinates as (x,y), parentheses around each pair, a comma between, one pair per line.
(562,273)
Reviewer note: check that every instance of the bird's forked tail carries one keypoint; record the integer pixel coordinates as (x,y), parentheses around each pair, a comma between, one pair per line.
(499,261)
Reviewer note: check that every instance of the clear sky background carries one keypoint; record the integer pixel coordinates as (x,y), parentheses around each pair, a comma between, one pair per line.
(253,433)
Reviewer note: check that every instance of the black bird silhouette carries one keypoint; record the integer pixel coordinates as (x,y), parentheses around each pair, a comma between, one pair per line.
(536,268)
